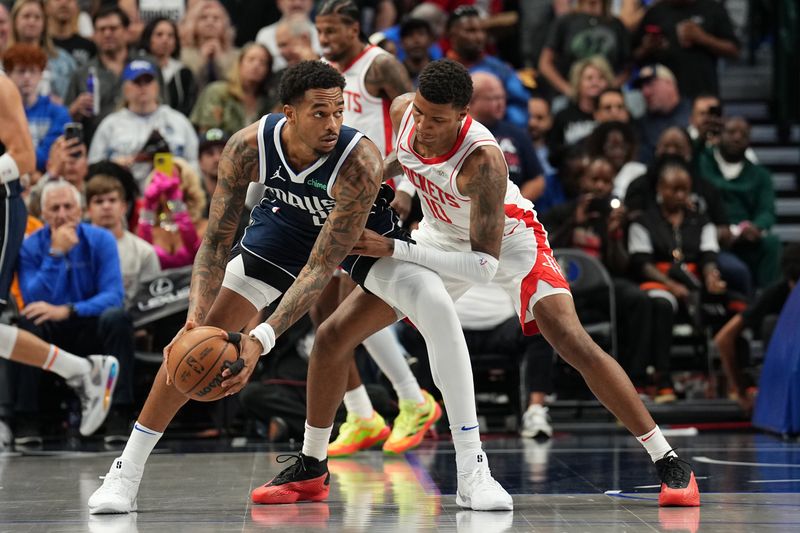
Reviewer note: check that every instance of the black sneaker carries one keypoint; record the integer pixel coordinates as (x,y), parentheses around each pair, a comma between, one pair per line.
(307,479)
(678,485)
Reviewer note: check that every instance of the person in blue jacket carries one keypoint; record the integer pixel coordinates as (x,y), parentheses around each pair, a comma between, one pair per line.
(25,64)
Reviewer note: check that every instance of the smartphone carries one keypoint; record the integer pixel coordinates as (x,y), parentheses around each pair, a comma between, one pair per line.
(162,162)
(74,130)
(653,29)
(600,205)
(715,111)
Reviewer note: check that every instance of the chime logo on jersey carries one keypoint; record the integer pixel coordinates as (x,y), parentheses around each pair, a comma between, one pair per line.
(319,208)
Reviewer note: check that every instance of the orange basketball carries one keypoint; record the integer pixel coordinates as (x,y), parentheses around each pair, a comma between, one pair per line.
(197,360)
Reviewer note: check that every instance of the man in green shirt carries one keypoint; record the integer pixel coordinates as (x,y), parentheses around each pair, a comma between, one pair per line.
(747,193)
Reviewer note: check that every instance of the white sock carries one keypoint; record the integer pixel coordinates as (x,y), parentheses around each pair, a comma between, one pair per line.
(65,364)
(467,441)
(357,402)
(315,442)
(387,352)
(655,444)
(140,444)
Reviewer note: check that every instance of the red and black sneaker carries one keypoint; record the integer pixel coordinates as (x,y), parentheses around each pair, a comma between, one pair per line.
(307,479)
(678,486)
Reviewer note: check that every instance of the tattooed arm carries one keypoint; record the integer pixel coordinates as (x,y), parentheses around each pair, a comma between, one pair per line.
(238,166)
(387,78)
(354,190)
(484,179)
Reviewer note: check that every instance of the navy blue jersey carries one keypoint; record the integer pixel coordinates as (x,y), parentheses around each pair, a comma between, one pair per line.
(285,224)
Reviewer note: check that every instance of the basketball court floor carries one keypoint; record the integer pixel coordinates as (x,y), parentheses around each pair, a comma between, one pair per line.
(575,482)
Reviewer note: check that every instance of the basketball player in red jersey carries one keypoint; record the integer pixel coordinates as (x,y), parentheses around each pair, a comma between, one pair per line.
(373,78)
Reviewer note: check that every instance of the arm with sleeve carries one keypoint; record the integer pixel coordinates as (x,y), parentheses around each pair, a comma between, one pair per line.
(106,273)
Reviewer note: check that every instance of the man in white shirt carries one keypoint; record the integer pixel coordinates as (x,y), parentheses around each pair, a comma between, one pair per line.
(267,34)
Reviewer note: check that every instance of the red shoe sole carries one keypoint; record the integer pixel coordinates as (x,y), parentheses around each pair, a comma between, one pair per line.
(314,490)
(688,497)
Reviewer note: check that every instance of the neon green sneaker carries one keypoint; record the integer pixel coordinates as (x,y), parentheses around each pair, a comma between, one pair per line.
(359,434)
(412,423)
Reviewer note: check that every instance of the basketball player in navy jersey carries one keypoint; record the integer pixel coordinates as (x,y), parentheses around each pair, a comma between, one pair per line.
(92,378)
(373,78)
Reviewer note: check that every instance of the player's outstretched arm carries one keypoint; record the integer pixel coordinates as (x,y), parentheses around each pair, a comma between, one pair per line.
(14,133)
(238,166)
(354,190)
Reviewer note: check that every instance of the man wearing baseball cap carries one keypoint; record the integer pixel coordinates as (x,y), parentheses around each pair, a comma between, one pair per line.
(665,107)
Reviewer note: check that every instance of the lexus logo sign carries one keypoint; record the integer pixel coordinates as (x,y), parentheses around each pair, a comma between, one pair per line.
(161,286)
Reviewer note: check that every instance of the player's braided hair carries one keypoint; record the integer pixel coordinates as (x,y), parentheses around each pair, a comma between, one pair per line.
(308,75)
(347,9)
(446,82)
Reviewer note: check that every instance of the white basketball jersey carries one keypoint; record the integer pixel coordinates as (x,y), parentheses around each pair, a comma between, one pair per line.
(362,111)
(446,211)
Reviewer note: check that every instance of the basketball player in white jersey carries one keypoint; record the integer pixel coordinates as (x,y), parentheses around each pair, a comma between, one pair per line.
(92,378)
(476,228)
(373,78)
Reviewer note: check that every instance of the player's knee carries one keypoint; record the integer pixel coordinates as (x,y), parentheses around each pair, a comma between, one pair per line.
(330,340)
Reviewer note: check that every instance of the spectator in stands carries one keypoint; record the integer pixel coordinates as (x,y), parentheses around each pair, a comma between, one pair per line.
(106,208)
(24,64)
(293,38)
(5,28)
(596,224)
(468,42)
(71,280)
(207,36)
(749,198)
(705,123)
(29,26)
(587,31)
(300,11)
(62,18)
(105,71)
(687,36)
(172,218)
(488,106)
(133,200)
(760,317)
(491,326)
(705,198)
(249,93)
(588,77)
(212,142)
(160,40)
(540,121)
(665,107)
(616,142)
(610,105)
(125,135)
(416,37)
(67,161)
(673,251)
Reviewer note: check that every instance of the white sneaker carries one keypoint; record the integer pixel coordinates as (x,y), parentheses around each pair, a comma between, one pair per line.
(119,489)
(478,490)
(95,390)
(536,422)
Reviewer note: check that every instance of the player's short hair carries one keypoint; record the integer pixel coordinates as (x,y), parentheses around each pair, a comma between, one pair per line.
(347,9)
(446,82)
(307,75)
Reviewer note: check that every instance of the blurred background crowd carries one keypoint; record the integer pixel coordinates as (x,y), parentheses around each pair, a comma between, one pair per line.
(656,138)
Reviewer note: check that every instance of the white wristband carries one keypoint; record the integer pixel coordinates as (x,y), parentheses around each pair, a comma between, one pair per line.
(9,171)
(265,335)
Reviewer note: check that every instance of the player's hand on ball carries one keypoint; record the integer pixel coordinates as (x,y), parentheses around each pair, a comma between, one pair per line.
(190,324)
(373,244)
(249,351)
